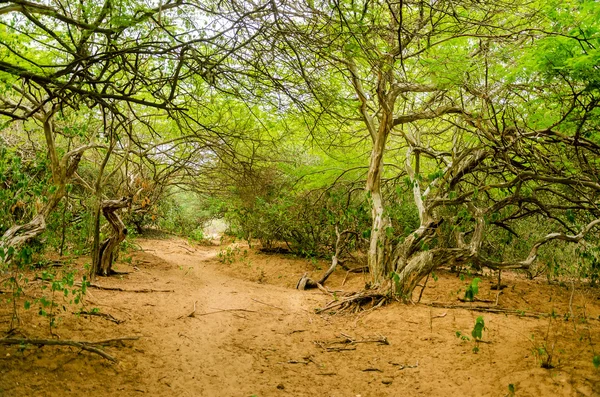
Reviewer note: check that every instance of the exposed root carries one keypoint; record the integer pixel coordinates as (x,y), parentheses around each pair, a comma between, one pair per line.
(357,301)
(490,309)
(142,290)
(83,345)
(106,316)
(346,342)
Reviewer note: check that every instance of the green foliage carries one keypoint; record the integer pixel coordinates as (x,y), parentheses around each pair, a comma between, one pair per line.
(230,255)
(197,234)
(472,290)
(511,389)
(59,287)
(23,180)
(477,332)
(596,362)
(182,214)
(306,222)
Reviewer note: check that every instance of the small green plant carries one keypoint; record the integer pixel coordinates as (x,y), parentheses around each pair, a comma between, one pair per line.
(229,255)
(476,333)
(596,361)
(472,290)
(544,356)
(197,234)
(544,350)
(511,390)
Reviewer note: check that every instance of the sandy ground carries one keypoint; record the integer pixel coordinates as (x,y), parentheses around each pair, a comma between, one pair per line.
(234,325)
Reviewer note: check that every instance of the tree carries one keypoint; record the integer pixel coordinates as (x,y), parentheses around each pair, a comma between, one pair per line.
(118,59)
(435,85)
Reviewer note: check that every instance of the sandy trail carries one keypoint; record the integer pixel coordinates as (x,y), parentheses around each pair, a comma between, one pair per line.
(263,338)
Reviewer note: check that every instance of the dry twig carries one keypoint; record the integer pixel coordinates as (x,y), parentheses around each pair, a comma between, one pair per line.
(83,345)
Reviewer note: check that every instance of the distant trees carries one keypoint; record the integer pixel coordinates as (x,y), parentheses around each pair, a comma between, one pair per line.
(120,77)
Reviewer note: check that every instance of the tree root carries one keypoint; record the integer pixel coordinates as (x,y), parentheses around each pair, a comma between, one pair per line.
(83,345)
(142,290)
(105,316)
(346,340)
(357,301)
(490,309)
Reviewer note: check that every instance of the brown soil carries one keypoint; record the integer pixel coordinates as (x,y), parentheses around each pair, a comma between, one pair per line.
(252,333)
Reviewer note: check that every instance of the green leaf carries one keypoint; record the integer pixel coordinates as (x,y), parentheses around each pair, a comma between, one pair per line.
(477,332)
(472,289)
(596,361)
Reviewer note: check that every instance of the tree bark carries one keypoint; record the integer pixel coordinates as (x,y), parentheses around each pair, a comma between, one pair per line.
(19,235)
(379,248)
(105,257)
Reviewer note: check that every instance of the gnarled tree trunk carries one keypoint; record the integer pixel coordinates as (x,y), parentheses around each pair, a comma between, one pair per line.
(104,259)
(19,235)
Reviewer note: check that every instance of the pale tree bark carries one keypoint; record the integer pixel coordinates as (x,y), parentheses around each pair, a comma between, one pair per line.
(106,255)
(62,170)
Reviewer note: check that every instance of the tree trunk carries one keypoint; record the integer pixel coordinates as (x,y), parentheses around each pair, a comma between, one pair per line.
(379,248)
(19,235)
(105,257)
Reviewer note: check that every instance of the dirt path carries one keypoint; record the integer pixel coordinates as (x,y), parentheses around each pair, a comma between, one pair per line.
(251,334)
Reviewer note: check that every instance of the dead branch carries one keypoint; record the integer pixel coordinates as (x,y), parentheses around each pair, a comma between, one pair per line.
(475,300)
(143,290)
(348,340)
(357,301)
(187,249)
(105,316)
(266,304)
(83,345)
(192,314)
(306,283)
(490,309)
(323,346)
(403,366)
(226,310)
(360,269)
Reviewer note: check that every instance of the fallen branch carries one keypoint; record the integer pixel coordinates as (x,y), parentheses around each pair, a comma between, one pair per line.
(187,249)
(475,300)
(83,345)
(296,362)
(356,301)
(323,345)
(192,314)
(266,304)
(226,310)
(360,269)
(105,316)
(403,366)
(143,290)
(379,339)
(307,283)
(348,340)
(498,310)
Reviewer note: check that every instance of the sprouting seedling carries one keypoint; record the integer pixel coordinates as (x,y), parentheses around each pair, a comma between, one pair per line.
(472,289)
(477,332)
